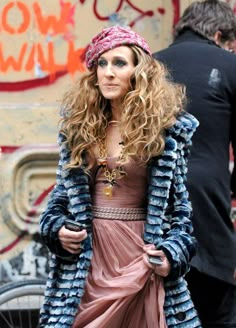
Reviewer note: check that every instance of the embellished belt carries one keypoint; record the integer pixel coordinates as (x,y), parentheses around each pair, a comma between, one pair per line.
(126,214)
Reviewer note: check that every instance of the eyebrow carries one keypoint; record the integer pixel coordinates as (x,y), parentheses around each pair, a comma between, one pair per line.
(115,57)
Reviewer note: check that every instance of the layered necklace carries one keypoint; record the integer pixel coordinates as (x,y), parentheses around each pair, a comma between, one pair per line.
(111,175)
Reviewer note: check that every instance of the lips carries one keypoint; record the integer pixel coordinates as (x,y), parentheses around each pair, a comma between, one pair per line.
(110,85)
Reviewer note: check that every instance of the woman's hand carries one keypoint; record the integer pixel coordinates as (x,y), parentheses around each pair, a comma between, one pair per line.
(70,240)
(163,269)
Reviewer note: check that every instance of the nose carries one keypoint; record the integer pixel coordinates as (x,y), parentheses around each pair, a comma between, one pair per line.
(109,71)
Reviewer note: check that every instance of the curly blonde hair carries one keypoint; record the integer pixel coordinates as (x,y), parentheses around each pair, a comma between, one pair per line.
(150,107)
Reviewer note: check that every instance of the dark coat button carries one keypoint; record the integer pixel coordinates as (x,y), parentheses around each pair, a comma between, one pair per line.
(180,316)
(63,297)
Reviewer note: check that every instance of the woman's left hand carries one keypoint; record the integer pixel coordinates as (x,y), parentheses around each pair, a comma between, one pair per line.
(164,268)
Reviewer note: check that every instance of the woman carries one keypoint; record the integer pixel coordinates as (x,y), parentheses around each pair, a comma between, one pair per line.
(124,139)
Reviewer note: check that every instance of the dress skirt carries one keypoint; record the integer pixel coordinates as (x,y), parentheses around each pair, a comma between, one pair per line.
(121,290)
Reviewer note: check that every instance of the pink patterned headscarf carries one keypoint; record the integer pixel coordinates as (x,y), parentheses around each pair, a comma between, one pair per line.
(110,38)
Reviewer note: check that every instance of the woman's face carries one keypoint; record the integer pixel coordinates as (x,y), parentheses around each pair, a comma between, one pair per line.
(114,70)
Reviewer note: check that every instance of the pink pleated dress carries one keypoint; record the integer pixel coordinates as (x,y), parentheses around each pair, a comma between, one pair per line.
(121,291)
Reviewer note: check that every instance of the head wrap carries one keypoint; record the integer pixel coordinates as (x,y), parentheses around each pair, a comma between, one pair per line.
(110,38)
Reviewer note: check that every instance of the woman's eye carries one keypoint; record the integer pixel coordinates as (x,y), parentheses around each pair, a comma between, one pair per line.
(102,62)
(120,63)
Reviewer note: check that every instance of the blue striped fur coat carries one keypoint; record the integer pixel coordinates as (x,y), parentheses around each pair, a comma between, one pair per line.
(167,225)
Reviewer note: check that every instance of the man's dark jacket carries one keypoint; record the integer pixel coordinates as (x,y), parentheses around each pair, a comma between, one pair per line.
(209,74)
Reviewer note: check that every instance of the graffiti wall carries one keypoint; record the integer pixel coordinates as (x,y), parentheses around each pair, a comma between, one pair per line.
(42,48)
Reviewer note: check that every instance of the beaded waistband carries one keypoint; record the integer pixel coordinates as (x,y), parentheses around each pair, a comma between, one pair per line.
(126,214)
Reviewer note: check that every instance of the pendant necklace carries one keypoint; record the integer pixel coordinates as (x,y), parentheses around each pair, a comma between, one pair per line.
(111,175)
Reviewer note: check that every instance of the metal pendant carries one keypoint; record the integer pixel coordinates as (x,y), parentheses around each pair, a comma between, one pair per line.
(108,190)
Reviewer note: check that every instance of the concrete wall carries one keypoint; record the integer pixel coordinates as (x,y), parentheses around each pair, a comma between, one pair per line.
(42,46)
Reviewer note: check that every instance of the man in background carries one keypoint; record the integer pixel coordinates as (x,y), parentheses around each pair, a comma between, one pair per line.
(200,60)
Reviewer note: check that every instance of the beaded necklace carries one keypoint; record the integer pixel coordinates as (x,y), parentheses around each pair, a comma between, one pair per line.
(111,175)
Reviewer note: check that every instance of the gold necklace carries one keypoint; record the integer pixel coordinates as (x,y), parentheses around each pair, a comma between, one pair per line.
(111,175)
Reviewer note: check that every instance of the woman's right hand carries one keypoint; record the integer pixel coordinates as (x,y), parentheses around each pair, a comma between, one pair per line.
(163,269)
(71,240)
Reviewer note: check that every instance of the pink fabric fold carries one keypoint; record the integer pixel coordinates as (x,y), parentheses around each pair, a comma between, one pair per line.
(121,290)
